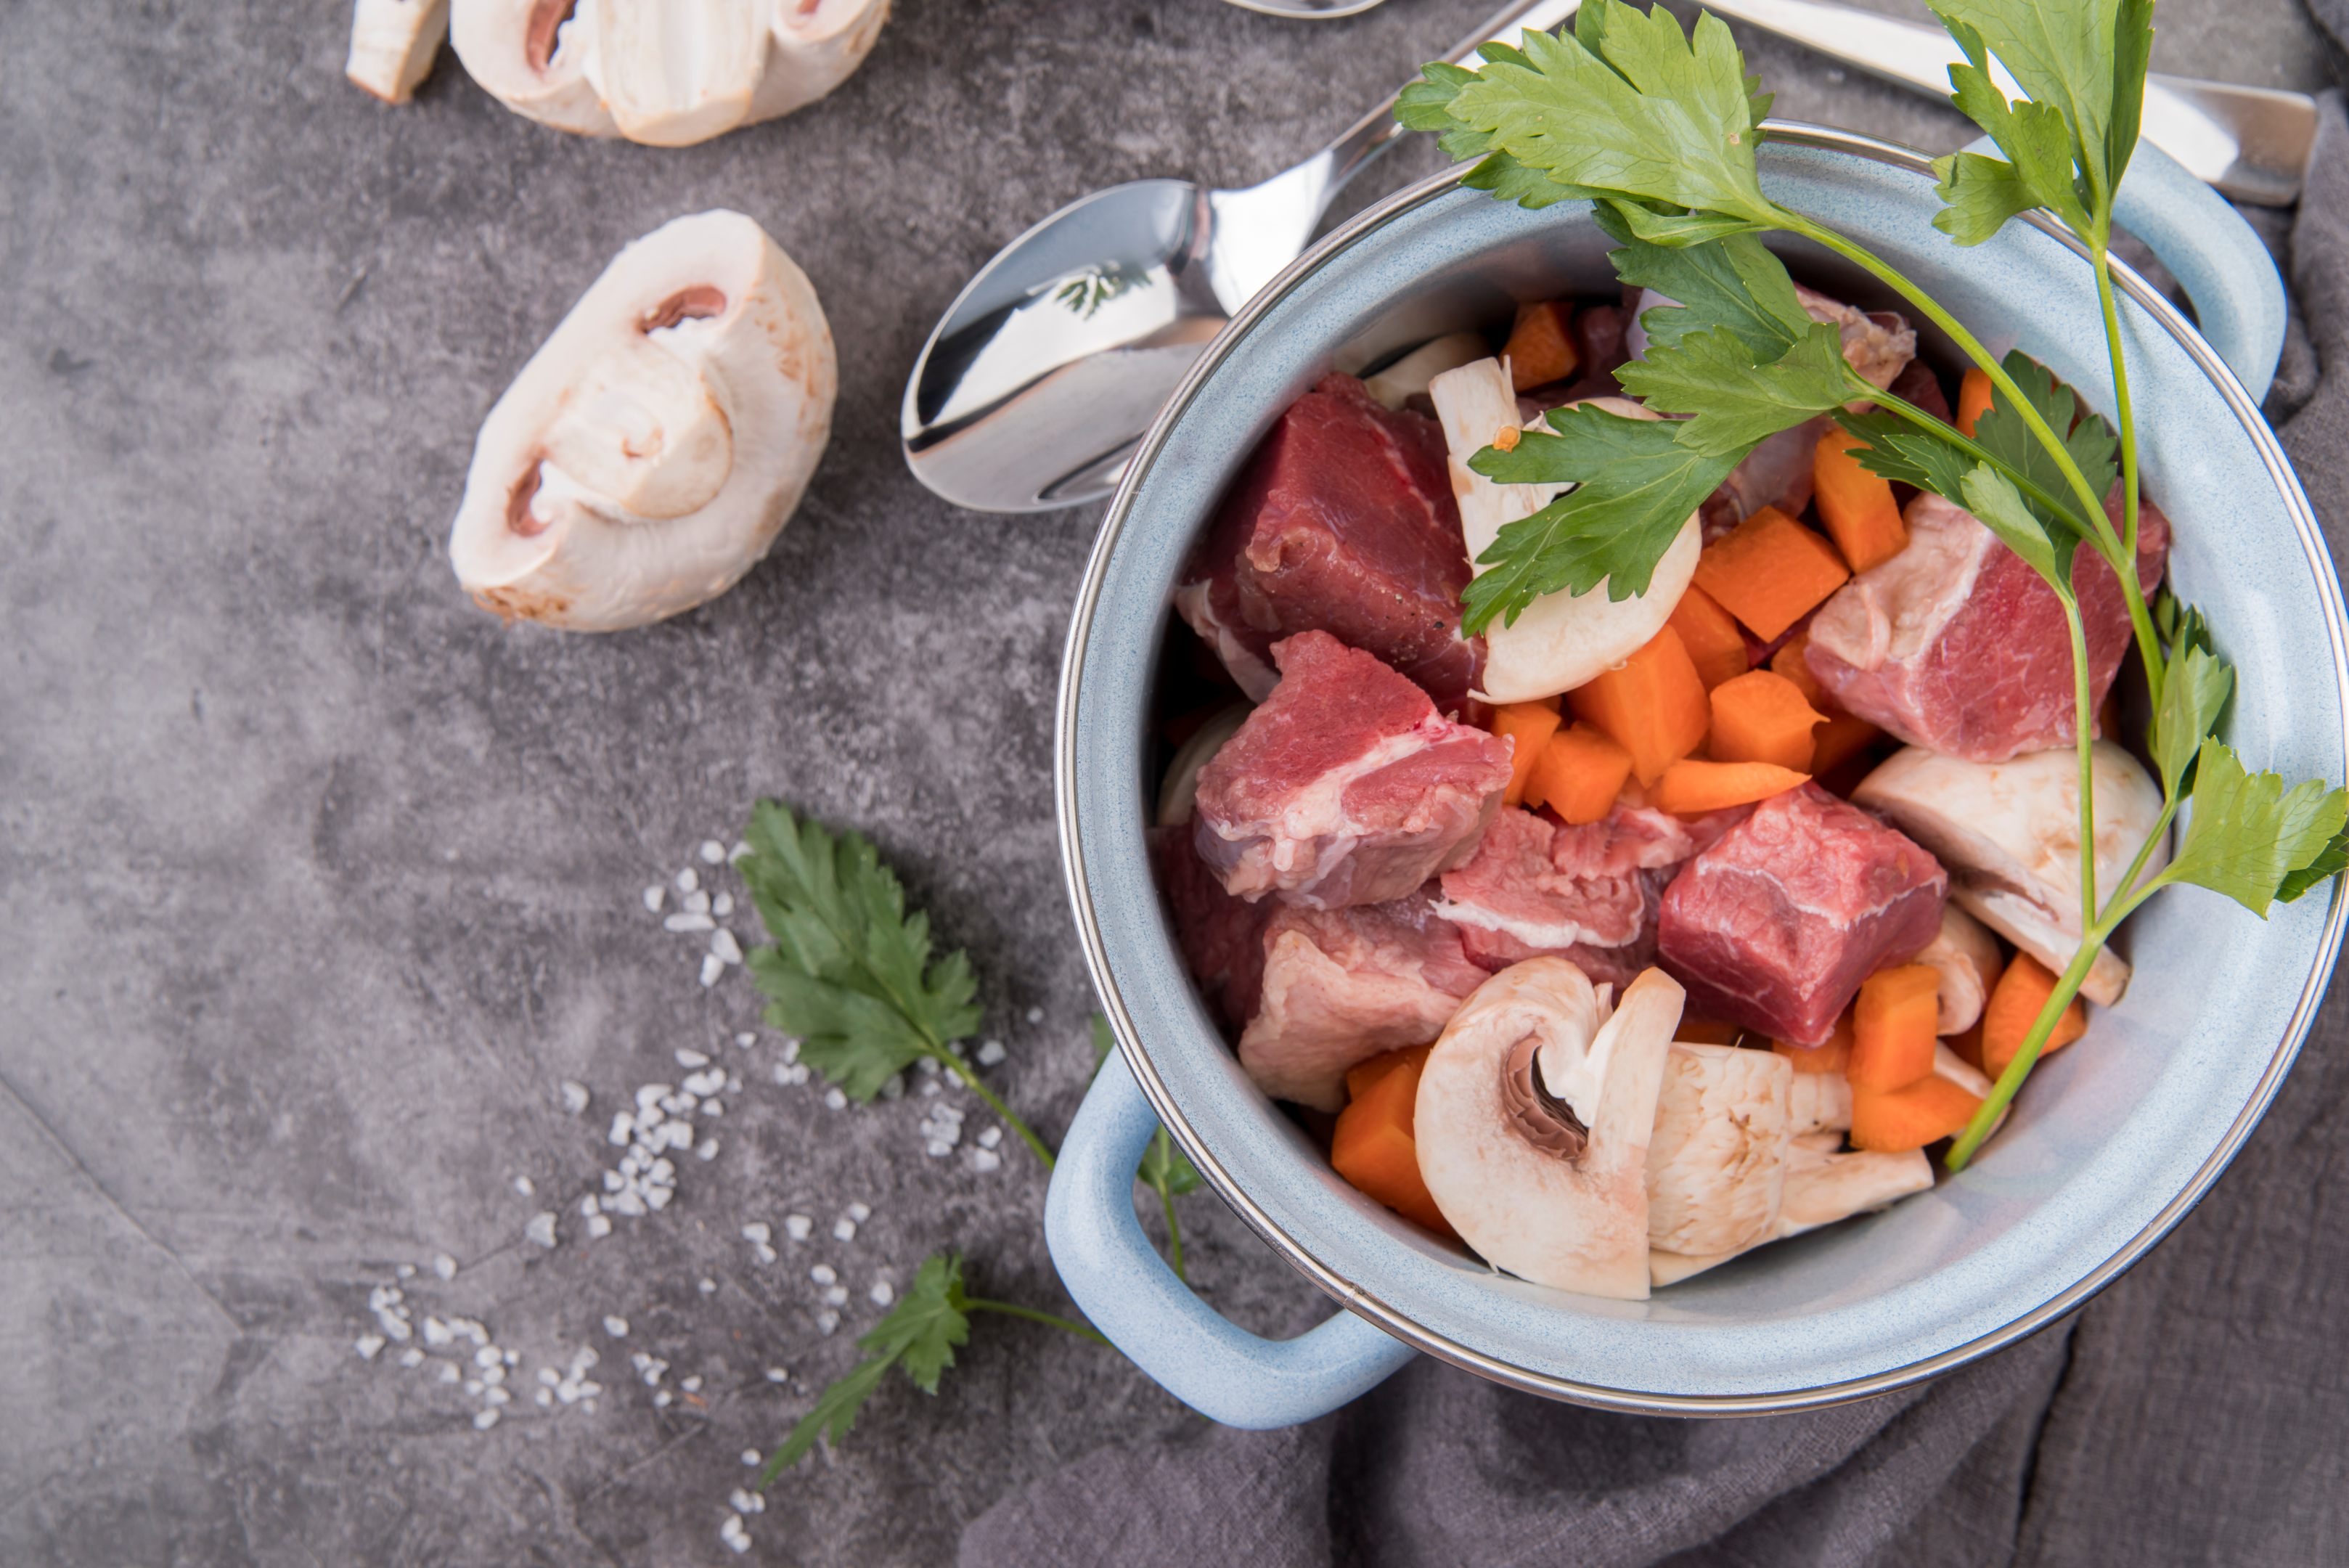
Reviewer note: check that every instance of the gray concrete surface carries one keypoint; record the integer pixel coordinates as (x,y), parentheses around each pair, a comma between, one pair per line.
(318,882)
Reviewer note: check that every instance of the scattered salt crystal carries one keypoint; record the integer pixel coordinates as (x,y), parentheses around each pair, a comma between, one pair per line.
(722,904)
(733,1083)
(929,1066)
(1035,1015)
(757,1231)
(712,967)
(713,1107)
(790,1050)
(689,1058)
(546,1397)
(739,850)
(781,1072)
(843,1230)
(936,1149)
(826,1322)
(657,1197)
(824,1274)
(484,1419)
(367,1345)
(746,1040)
(541,1228)
(708,1287)
(474,1385)
(706,1149)
(691,1384)
(991,1053)
(722,945)
(574,1096)
(662,1400)
(614,1181)
(778,1374)
(623,1128)
(653,897)
(436,1332)
(702,1085)
(448,1373)
(893,1087)
(652,1095)
(590,1389)
(860,1212)
(737,1544)
(836,1295)
(990,1136)
(662,1173)
(696,903)
(524,1185)
(548,1377)
(797,1226)
(688,880)
(598,1228)
(930,1087)
(445,1266)
(406,1270)
(514,1357)
(747,1502)
(495,1397)
(688,922)
(712,852)
(471,1328)
(589,1207)
(615,1325)
(488,1356)
(411,1357)
(986,1160)
(883,1292)
(835,1099)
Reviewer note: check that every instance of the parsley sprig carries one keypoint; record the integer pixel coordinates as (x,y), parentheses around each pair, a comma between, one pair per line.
(1657,128)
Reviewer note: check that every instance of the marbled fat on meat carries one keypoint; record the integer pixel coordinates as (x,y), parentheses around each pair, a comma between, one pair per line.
(1340,986)
(1536,889)
(1774,927)
(1957,646)
(1344,522)
(1347,786)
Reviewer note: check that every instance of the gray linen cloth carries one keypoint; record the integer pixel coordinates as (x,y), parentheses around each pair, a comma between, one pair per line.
(2197,1412)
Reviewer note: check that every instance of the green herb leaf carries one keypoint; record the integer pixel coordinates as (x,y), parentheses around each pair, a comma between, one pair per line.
(1674,228)
(2330,863)
(920,1334)
(1980,194)
(1166,1168)
(2061,53)
(1639,486)
(2035,135)
(1992,497)
(2192,697)
(1905,454)
(2001,432)
(850,971)
(1510,181)
(1738,403)
(2248,835)
(1735,284)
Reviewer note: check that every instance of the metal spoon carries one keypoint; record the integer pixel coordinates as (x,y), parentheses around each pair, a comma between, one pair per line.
(1049,366)
(1308,10)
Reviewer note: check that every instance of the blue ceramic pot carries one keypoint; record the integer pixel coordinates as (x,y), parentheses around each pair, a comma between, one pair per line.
(2112,1142)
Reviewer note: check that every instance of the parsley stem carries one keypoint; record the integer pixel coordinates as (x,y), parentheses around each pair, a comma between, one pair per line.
(1013,1309)
(2140,618)
(1173,1227)
(2002,1092)
(1943,430)
(963,1070)
(2085,749)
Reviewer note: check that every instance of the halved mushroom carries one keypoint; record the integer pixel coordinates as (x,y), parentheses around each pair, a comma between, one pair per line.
(393,43)
(1561,640)
(1717,1161)
(669,73)
(1966,956)
(651,450)
(1822,1185)
(2009,835)
(1178,795)
(1533,1115)
(1818,1102)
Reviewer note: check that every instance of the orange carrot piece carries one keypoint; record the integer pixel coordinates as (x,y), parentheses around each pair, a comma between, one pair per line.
(1530,726)
(1770,572)
(1789,662)
(1974,398)
(1856,505)
(1840,735)
(1652,705)
(1834,1057)
(1893,1121)
(1555,702)
(1363,1074)
(1892,1027)
(1691,787)
(1968,1045)
(1579,775)
(1707,1031)
(1541,345)
(1761,717)
(2013,1008)
(1709,634)
(1372,1146)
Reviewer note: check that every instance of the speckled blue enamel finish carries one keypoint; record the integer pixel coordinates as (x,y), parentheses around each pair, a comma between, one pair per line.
(2113,1141)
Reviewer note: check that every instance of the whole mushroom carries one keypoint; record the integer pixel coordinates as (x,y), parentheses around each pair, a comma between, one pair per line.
(650,450)
(669,73)
(393,43)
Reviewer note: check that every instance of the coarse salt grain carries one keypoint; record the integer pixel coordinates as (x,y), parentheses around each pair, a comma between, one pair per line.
(524,1185)
(722,904)
(436,1332)
(707,1287)
(835,1099)
(615,1325)
(827,1323)
(448,1373)
(654,896)
(368,1344)
(484,1419)
(713,1107)
(723,945)
(860,1212)
(688,880)
(696,903)
(739,850)
(406,1270)
(1035,1015)
(445,1266)
(747,1502)
(712,852)
(411,1357)
(991,1053)
(548,1377)
(750,1458)
(574,1096)
(712,967)
(488,1356)
(935,1149)
(540,1229)
(707,1149)
(843,1230)
(798,1226)
(778,1374)
(689,1058)
(824,1274)
(688,922)
(836,1295)
(746,1040)
(989,1138)
(691,1384)
(663,1399)
(757,1231)
(598,1227)
(544,1398)
(589,1207)
(883,1292)
(986,1160)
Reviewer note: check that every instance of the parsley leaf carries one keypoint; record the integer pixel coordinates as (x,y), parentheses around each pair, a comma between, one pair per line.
(2330,862)
(2195,690)
(1992,497)
(2037,172)
(2250,839)
(1639,486)
(1164,1169)
(1735,284)
(850,971)
(2132,54)
(1738,403)
(2061,56)
(2001,432)
(920,1335)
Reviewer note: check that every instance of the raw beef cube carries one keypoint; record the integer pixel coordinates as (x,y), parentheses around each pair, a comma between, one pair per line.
(1536,889)
(1630,838)
(1774,927)
(1222,938)
(1956,645)
(1342,985)
(1347,787)
(1344,521)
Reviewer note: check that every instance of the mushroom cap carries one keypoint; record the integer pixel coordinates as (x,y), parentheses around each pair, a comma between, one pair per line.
(533,57)
(1579,1223)
(393,43)
(1965,955)
(2009,835)
(650,450)
(818,45)
(1717,1160)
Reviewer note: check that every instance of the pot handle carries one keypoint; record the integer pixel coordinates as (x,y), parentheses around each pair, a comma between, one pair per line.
(2222,265)
(1216,1368)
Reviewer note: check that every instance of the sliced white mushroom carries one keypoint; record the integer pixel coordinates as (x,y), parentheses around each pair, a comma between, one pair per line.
(533,57)
(1818,1102)
(2009,835)
(1717,1161)
(1398,382)
(650,450)
(1822,1185)
(1180,792)
(393,43)
(1965,955)
(1948,1064)
(1561,640)
(669,73)
(1550,1188)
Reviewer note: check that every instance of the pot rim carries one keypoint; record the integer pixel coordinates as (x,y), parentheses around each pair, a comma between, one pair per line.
(1393,1319)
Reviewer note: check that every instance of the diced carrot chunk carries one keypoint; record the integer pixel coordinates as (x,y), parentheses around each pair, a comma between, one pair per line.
(1892,1027)
(1363,1074)
(1579,775)
(1541,345)
(1691,787)
(1840,735)
(1652,705)
(1709,634)
(1856,505)
(1530,726)
(1372,1146)
(2013,1008)
(1834,1057)
(1770,572)
(1893,1121)
(1707,1031)
(1761,717)
(1974,398)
